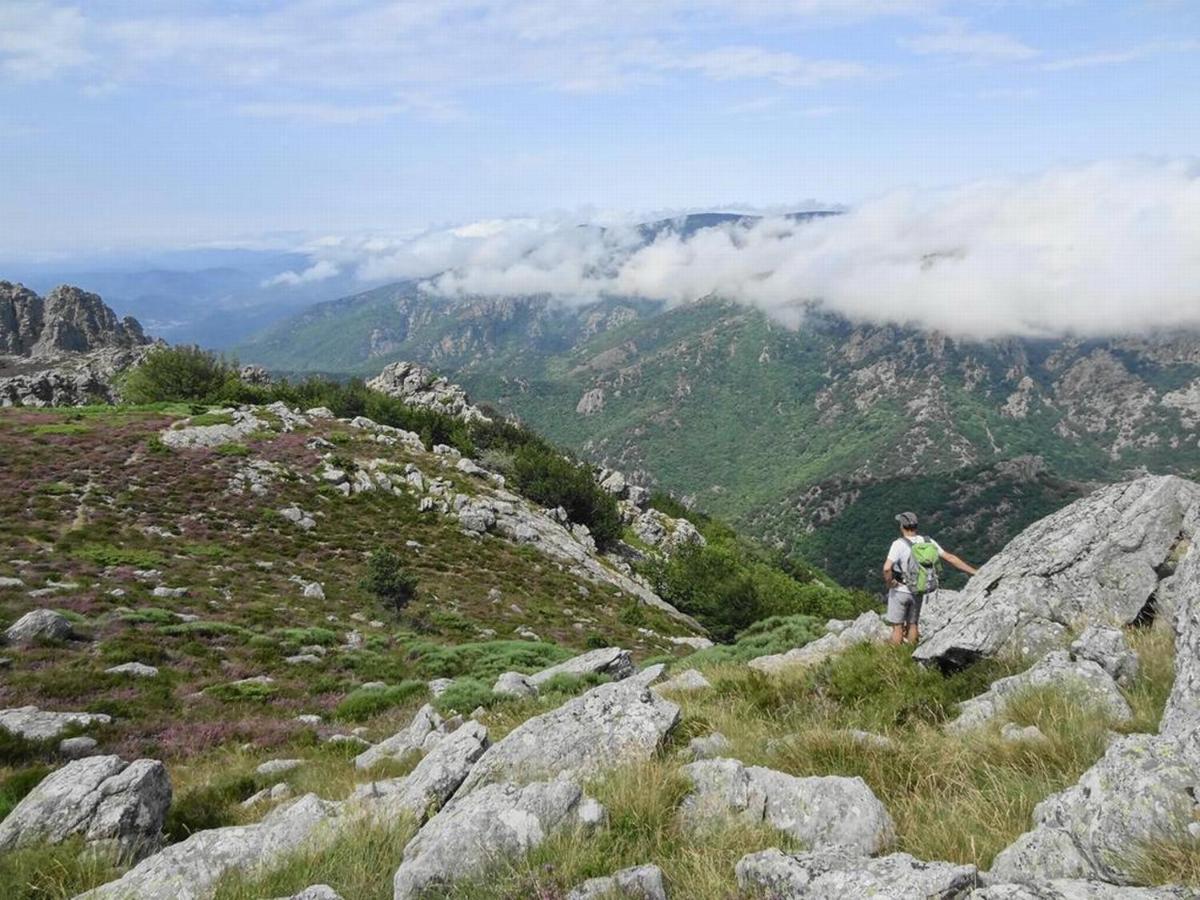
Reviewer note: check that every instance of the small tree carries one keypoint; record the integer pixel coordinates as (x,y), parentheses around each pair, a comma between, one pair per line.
(388,580)
(179,374)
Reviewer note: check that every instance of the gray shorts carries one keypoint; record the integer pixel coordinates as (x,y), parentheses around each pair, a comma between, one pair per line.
(903,608)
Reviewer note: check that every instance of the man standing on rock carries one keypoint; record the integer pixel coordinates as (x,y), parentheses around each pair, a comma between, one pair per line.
(911,574)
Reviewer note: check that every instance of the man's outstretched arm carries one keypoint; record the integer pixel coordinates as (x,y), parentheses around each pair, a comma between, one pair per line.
(958,563)
(889,577)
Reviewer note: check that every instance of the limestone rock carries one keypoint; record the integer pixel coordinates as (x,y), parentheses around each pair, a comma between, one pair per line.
(102,799)
(637,883)
(184,436)
(1073,889)
(838,875)
(1097,561)
(611,661)
(315,892)
(435,778)
(708,747)
(866,628)
(274,767)
(1143,787)
(611,724)
(136,669)
(819,811)
(495,823)
(42,725)
(1057,669)
(418,386)
(1108,648)
(77,747)
(409,740)
(39,625)
(514,684)
(191,869)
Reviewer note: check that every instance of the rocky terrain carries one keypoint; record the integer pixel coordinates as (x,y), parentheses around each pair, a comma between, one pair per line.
(64,349)
(202,698)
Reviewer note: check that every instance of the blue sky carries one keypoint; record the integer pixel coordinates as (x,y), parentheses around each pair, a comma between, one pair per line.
(132,123)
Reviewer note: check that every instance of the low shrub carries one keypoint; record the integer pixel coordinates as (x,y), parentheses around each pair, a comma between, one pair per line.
(105,555)
(389,580)
(547,477)
(180,374)
(362,704)
(211,805)
(465,695)
(483,659)
(243,691)
(776,634)
(323,637)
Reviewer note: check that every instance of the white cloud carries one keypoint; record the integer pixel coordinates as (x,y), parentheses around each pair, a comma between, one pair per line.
(321,270)
(956,39)
(38,40)
(1110,248)
(735,63)
(1120,57)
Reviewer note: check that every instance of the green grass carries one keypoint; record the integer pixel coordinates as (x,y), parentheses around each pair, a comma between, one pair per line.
(16,786)
(53,873)
(105,555)
(365,703)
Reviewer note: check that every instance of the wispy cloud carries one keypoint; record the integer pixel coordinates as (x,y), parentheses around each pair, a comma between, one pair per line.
(956,38)
(1120,57)
(788,69)
(321,270)
(39,40)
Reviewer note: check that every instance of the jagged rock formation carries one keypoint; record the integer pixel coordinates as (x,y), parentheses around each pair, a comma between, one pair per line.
(834,874)
(419,386)
(42,725)
(841,636)
(103,800)
(425,727)
(636,883)
(1098,561)
(62,350)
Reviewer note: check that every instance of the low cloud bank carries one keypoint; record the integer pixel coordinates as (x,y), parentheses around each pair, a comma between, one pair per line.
(1110,248)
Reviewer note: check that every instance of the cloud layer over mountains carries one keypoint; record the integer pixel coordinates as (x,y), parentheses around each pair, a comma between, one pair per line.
(1110,248)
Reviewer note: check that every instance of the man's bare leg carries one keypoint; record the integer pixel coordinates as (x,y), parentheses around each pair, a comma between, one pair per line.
(897,635)
(913,634)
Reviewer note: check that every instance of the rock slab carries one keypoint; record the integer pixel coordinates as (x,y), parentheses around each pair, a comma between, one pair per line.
(838,875)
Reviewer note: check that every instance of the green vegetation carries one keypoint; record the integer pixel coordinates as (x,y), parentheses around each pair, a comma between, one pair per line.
(776,634)
(364,703)
(208,806)
(53,873)
(388,580)
(173,374)
(548,478)
(16,786)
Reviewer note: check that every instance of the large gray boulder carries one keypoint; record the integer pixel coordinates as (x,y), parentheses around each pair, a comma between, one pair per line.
(42,725)
(1083,678)
(818,812)
(611,661)
(103,800)
(1182,596)
(636,883)
(1073,889)
(191,869)
(435,778)
(1098,561)
(411,739)
(39,625)
(610,725)
(1144,787)
(495,823)
(869,627)
(1108,648)
(841,875)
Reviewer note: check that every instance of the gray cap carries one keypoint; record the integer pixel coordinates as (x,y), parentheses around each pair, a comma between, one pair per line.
(907,519)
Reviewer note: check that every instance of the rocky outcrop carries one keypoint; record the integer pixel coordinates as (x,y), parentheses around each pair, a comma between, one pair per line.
(102,799)
(1109,649)
(435,778)
(1074,889)
(611,661)
(838,875)
(498,822)
(637,883)
(612,724)
(686,681)
(39,625)
(1098,561)
(1085,679)
(184,435)
(425,727)
(841,636)
(36,724)
(419,386)
(818,812)
(191,869)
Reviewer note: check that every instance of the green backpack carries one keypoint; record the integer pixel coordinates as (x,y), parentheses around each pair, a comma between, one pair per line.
(924,563)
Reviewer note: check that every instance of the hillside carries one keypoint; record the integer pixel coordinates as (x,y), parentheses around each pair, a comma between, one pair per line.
(717,403)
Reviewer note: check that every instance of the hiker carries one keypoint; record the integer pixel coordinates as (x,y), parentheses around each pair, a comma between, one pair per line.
(911,574)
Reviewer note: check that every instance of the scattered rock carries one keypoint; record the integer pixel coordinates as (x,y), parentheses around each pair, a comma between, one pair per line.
(1098,561)
(39,625)
(315,892)
(309,719)
(42,725)
(1071,889)
(77,747)
(410,740)
(299,517)
(6,582)
(275,794)
(819,811)
(1108,648)
(191,869)
(102,799)
(611,724)
(514,684)
(184,436)
(1057,669)
(611,661)
(439,686)
(866,628)
(165,592)
(838,875)
(136,669)
(637,883)
(313,591)
(869,739)
(1017,734)
(498,822)
(278,767)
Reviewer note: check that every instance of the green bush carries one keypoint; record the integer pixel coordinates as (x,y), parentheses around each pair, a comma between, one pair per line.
(776,634)
(388,580)
(362,704)
(306,636)
(105,555)
(546,477)
(210,806)
(251,691)
(180,374)
(482,659)
(465,695)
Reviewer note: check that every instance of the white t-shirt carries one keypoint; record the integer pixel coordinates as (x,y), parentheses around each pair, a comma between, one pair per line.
(901,552)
